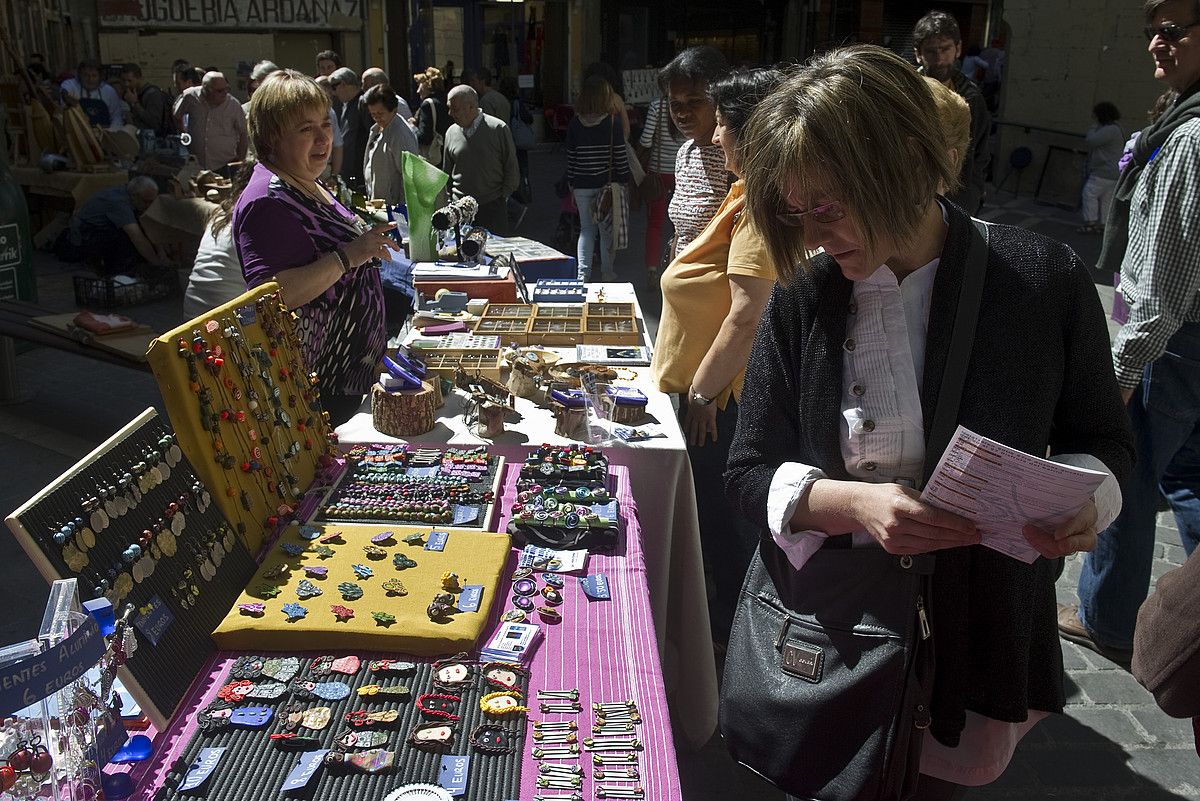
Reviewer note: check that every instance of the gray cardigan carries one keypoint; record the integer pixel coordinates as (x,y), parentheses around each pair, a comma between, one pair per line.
(483,165)
(383,164)
(1040,376)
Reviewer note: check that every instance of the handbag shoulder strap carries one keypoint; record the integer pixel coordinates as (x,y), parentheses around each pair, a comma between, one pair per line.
(945,413)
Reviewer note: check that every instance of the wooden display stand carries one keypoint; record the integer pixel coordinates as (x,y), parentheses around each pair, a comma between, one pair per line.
(223,413)
(407,413)
(560,324)
(444,363)
(610,324)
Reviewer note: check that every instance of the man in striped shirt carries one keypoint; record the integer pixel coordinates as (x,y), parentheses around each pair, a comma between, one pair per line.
(1153,235)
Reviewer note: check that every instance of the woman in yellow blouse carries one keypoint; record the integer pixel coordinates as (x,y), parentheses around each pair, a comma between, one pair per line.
(713,295)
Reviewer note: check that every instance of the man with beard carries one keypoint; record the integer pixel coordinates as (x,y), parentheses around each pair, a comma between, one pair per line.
(937,44)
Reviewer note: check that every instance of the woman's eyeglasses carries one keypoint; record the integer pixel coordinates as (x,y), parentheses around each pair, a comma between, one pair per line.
(827,213)
(1170,32)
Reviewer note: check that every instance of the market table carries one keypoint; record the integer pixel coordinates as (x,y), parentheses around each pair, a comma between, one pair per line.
(79,186)
(660,470)
(606,650)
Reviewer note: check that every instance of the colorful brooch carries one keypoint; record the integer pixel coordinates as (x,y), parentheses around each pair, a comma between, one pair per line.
(333,539)
(324,665)
(323,551)
(361,718)
(453,673)
(315,718)
(376,760)
(435,736)
(342,613)
(374,552)
(306,589)
(395,586)
(316,571)
(493,739)
(402,562)
(279,571)
(450,582)
(382,537)
(392,666)
(439,705)
(362,739)
(416,538)
(350,591)
(362,571)
(506,702)
(505,675)
(325,690)
(252,609)
(293,549)
(294,611)
(396,692)
(384,619)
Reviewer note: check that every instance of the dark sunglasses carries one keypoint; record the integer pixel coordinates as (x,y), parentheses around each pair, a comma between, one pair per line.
(1170,32)
(826,213)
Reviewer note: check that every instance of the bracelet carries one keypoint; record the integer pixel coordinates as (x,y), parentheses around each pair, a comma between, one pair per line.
(343,258)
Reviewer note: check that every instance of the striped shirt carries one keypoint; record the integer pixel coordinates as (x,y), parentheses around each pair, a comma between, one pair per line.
(594,150)
(1160,275)
(662,139)
(701,184)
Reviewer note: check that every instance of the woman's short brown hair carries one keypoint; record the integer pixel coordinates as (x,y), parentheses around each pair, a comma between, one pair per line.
(595,97)
(856,125)
(432,76)
(277,104)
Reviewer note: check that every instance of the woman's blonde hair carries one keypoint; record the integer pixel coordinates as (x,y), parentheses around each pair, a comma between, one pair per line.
(432,76)
(595,97)
(856,125)
(954,115)
(278,103)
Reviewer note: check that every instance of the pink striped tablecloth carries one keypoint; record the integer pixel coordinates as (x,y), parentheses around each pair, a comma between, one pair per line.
(605,649)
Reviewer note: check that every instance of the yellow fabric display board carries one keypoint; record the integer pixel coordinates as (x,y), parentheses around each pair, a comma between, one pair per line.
(477,557)
(256,395)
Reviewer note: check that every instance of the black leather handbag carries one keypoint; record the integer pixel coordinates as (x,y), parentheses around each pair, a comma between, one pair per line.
(829,669)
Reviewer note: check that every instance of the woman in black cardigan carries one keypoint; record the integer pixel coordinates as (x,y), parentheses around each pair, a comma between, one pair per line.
(849,356)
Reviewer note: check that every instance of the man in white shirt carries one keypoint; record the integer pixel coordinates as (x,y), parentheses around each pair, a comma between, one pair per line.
(98,100)
(215,122)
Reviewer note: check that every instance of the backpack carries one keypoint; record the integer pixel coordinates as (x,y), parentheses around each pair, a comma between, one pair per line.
(438,145)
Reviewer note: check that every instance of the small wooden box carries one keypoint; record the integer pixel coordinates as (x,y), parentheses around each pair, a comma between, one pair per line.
(610,324)
(443,363)
(509,321)
(560,324)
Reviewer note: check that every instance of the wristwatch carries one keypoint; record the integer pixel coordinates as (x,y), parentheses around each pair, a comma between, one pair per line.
(699,399)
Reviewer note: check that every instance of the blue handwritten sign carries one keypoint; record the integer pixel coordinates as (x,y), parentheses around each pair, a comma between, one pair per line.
(30,680)
(202,768)
(302,774)
(469,598)
(154,620)
(437,540)
(452,775)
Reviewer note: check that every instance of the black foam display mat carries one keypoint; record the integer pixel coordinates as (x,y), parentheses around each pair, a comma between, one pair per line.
(173,641)
(489,480)
(254,768)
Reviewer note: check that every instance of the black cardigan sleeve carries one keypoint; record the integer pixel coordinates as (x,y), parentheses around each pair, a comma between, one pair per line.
(1089,417)
(768,428)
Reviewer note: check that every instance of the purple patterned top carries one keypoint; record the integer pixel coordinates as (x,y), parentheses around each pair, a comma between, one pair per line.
(276,228)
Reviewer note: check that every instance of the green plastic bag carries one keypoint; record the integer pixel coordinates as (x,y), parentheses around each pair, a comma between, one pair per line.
(423,182)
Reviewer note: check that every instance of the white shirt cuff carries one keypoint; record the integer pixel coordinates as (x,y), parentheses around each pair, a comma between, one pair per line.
(788,486)
(1108,494)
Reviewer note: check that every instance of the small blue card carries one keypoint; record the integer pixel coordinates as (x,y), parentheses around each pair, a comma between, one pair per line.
(154,620)
(452,775)
(596,587)
(465,514)
(437,540)
(202,768)
(301,775)
(470,598)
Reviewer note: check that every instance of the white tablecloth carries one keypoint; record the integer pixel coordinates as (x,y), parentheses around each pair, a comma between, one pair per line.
(661,477)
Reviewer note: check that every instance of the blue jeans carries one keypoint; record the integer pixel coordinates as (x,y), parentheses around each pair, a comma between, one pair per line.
(1165,416)
(588,230)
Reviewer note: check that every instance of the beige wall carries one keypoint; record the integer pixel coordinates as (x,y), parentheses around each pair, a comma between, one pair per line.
(1063,58)
(296,49)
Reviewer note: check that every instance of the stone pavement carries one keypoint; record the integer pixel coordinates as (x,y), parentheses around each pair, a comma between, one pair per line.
(1113,743)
